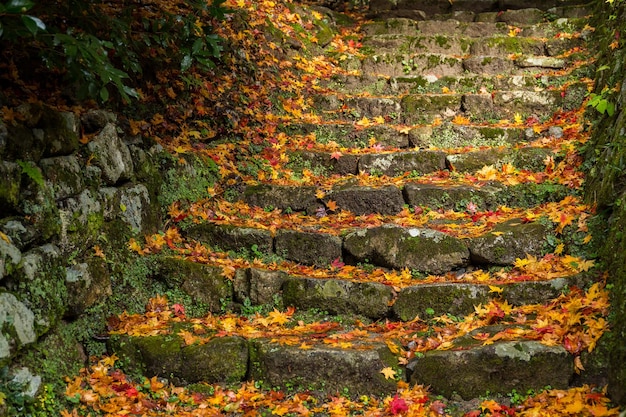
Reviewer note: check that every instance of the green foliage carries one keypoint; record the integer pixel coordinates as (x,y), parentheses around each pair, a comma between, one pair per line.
(601,102)
(32,172)
(102,50)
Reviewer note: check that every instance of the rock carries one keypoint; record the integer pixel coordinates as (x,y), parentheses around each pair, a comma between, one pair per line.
(324,369)
(365,200)
(82,218)
(228,237)
(345,164)
(369,299)
(477,104)
(28,383)
(205,284)
(526,102)
(96,119)
(526,16)
(23,144)
(503,46)
(60,130)
(420,108)
(87,283)
(258,285)
(398,163)
(130,203)
(221,360)
(17,327)
(457,299)
(10,178)
(21,232)
(388,136)
(391,246)
(540,62)
(308,248)
(63,174)
(39,282)
(282,197)
(373,107)
(485,197)
(507,242)
(497,369)
(111,155)
(10,257)
(476,160)
(488,65)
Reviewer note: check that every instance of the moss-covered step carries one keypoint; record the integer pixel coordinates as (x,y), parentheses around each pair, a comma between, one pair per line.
(459,299)
(507,242)
(348,135)
(228,237)
(282,197)
(496,369)
(336,296)
(461,28)
(366,200)
(506,45)
(434,44)
(392,246)
(324,369)
(531,159)
(424,108)
(448,135)
(308,248)
(222,359)
(398,64)
(398,163)
(356,107)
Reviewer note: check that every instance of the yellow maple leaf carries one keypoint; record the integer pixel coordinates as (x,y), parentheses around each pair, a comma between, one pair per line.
(320,194)
(497,233)
(388,372)
(460,120)
(559,248)
(97,251)
(518,119)
(364,122)
(278,317)
(494,289)
(587,239)
(5,237)
(379,119)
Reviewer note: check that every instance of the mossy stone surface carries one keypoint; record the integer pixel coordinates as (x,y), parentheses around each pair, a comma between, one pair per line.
(425,250)
(205,284)
(223,359)
(398,163)
(369,299)
(228,237)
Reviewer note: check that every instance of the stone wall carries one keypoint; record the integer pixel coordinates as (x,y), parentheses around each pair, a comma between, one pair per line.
(606,179)
(73,190)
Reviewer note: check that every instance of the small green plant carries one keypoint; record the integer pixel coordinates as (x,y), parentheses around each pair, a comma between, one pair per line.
(32,172)
(601,102)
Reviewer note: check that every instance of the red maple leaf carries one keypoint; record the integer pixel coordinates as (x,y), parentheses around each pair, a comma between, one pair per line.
(179,310)
(398,405)
(336,155)
(337,263)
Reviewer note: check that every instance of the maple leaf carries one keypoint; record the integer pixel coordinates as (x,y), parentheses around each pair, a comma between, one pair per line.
(179,310)
(388,372)
(364,122)
(320,194)
(494,289)
(97,251)
(278,317)
(336,263)
(460,120)
(331,205)
(397,405)
(336,155)
(559,248)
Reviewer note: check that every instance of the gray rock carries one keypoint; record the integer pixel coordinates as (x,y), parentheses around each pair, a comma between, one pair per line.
(477,104)
(131,203)
(336,296)
(526,102)
(96,119)
(424,108)
(373,106)
(40,283)
(453,198)
(87,283)
(81,220)
(63,174)
(308,248)
(17,327)
(21,232)
(526,16)
(205,284)
(111,155)
(476,160)
(323,369)
(28,383)
(221,360)
(398,163)
(497,369)
(540,62)
(437,299)
(391,246)
(365,200)
(345,164)
(10,257)
(507,242)
(10,179)
(282,197)
(228,237)
(488,65)
(60,131)
(260,286)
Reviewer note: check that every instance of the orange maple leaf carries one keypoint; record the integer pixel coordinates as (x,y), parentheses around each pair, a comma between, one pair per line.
(336,155)
(331,205)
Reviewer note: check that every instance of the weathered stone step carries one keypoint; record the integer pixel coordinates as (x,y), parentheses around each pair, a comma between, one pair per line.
(418,162)
(391,199)
(520,10)
(498,368)
(445,135)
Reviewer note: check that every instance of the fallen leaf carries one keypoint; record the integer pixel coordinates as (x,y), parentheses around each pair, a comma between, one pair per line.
(388,372)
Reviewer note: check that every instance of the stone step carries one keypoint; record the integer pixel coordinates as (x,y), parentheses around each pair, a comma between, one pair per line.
(445,135)
(425,108)
(510,11)
(391,199)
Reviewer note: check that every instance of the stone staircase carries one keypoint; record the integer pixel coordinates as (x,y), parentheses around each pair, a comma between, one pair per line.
(429,173)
